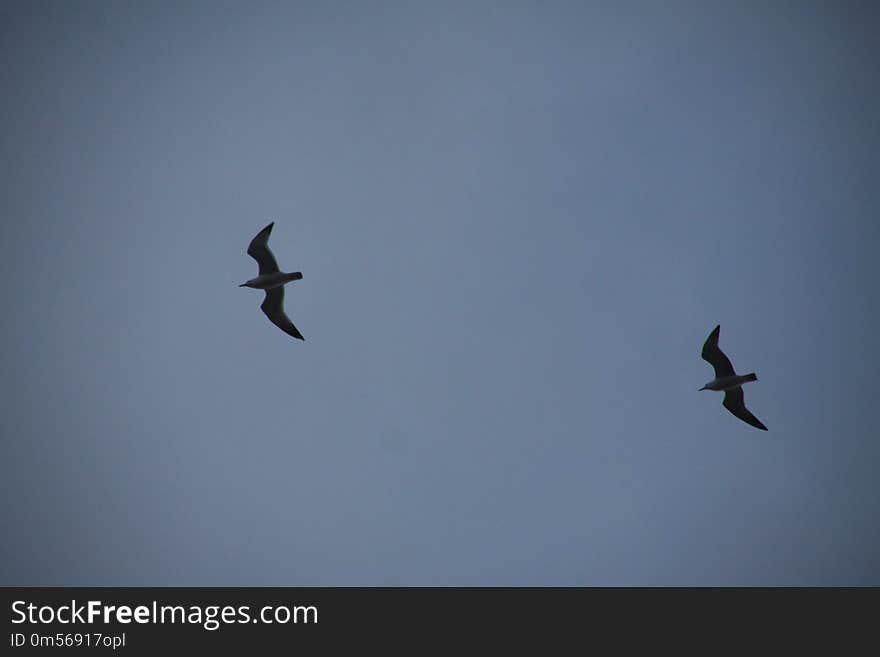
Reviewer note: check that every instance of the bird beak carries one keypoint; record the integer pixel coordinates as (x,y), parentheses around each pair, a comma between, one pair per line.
(703,388)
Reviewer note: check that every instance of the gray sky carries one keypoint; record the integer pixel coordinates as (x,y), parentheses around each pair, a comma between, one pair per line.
(517,223)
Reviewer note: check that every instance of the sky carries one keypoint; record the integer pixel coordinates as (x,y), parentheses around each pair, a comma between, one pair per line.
(517,223)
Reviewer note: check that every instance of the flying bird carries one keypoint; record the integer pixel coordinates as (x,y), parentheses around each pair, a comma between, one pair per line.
(272,280)
(728,380)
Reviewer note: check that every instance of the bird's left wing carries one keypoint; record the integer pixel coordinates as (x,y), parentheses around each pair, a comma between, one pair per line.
(714,356)
(259,251)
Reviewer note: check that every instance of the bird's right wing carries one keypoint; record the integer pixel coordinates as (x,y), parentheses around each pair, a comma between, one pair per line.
(735,403)
(714,356)
(259,251)
(273,306)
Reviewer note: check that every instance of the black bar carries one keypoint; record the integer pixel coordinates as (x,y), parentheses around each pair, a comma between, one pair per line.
(133,619)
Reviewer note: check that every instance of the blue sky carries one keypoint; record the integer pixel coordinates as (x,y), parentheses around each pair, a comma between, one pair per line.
(517,223)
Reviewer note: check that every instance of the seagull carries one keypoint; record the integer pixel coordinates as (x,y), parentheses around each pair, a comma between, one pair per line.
(272,280)
(728,380)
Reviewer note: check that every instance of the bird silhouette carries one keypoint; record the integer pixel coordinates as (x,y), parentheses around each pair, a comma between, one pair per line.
(272,280)
(727,380)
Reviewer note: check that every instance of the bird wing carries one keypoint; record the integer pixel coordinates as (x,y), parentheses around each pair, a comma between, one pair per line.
(713,355)
(259,251)
(273,306)
(735,403)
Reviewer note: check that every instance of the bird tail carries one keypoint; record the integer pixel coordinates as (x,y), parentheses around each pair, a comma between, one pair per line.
(751,377)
